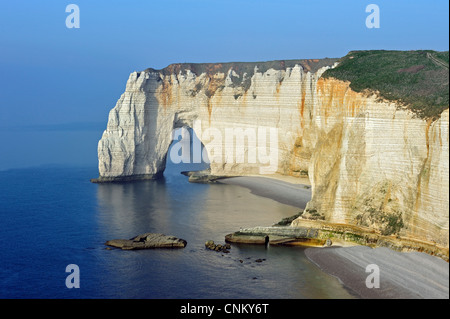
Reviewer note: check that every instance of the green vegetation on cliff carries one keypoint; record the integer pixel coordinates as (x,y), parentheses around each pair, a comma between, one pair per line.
(417,80)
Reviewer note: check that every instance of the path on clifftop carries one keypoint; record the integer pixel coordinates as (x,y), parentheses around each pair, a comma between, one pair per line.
(437,61)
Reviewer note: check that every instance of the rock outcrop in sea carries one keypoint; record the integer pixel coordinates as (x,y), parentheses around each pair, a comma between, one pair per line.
(148,241)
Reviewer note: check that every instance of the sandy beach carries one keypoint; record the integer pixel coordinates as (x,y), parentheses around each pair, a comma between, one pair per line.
(403,275)
(281,189)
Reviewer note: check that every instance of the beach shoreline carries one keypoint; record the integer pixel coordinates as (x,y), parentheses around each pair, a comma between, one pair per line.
(403,275)
(280,189)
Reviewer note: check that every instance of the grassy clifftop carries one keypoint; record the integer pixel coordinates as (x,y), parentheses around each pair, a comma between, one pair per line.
(418,80)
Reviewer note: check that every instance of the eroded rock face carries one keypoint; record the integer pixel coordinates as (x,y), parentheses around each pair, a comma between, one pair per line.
(377,166)
(370,163)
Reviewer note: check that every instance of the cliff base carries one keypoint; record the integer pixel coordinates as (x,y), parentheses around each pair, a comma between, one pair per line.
(317,232)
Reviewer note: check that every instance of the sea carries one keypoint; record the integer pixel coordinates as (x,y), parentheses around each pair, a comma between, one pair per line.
(52,217)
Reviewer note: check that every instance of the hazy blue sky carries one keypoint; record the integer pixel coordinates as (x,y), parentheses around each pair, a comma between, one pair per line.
(57,85)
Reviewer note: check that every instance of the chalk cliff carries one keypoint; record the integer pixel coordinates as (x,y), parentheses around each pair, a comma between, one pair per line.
(211,99)
(370,162)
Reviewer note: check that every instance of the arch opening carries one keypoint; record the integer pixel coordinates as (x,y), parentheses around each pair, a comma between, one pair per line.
(186,153)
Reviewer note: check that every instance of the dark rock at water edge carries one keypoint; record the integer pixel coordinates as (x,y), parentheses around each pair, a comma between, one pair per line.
(126,179)
(148,241)
(223,248)
(202,177)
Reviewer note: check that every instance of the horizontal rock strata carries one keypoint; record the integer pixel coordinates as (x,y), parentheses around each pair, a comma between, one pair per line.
(316,233)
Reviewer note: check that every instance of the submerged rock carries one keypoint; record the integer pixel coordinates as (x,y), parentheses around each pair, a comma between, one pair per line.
(148,241)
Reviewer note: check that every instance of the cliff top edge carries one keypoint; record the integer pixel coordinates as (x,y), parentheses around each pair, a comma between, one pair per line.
(311,65)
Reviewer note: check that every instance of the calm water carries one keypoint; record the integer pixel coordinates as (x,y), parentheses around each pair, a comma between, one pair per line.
(52,217)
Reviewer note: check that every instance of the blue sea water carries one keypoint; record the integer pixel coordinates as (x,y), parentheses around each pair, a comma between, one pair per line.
(51,217)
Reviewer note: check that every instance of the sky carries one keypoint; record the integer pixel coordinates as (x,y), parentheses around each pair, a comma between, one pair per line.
(57,84)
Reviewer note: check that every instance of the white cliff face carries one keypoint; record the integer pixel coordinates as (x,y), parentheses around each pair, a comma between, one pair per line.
(377,166)
(141,124)
(369,162)
(134,142)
